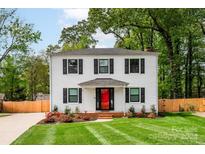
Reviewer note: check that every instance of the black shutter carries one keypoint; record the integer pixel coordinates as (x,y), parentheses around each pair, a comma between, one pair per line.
(80,66)
(142,66)
(98,98)
(127,95)
(65,66)
(142,95)
(111,66)
(80,95)
(126,66)
(111,98)
(95,66)
(65,98)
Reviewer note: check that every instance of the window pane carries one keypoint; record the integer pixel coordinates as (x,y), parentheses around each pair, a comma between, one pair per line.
(73,91)
(103,62)
(134,65)
(72,66)
(103,69)
(73,98)
(134,91)
(134,98)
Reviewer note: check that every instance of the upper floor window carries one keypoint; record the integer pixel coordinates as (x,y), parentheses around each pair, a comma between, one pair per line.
(72,66)
(103,66)
(135,66)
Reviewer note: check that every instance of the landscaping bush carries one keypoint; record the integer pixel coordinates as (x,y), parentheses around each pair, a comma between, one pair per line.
(151,115)
(140,115)
(86,118)
(153,109)
(192,108)
(67,110)
(143,109)
(77,110)
(49,120)
(131,112)
(55,108)
(66,119)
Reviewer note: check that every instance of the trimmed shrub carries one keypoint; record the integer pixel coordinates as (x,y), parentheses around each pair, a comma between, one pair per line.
(55,108)
(153,109)
(143,109)
(77,110)
(67,110)
(131,112)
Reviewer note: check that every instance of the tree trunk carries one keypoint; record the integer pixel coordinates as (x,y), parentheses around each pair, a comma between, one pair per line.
(199,81)
(189,58)
(186,77)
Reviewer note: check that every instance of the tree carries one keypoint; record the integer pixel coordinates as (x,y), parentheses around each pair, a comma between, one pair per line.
(77,36)
(157,28)
(14,34)
(36,75)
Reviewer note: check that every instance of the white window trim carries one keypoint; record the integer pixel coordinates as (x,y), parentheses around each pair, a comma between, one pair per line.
(77,67)
(108,62)
(139,66)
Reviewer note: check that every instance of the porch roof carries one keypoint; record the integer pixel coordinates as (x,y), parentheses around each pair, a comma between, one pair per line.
(103,82)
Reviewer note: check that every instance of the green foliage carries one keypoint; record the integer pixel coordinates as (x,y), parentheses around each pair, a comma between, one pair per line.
(77,36)
(77,110)
(177,34)
(143,110)
(153,109)
(132,111)
(67,110)
(55,108)
(14,34)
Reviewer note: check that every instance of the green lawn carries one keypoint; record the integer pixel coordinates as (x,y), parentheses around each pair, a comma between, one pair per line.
(178,128)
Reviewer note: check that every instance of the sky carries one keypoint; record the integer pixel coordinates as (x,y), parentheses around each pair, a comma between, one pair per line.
(50,23)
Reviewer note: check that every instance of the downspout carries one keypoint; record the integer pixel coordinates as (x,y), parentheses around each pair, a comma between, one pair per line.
(50,77)
(124,101)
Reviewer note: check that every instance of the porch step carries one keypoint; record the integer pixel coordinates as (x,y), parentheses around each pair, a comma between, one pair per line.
(105,115)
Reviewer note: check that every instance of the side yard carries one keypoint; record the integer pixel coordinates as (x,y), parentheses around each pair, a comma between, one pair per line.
(175,128)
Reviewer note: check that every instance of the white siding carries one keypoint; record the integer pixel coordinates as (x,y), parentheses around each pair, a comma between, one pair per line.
(60,81)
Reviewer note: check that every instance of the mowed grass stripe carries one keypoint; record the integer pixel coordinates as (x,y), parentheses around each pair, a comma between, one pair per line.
(50,136)
(126,136)
(97,135)
(171,134)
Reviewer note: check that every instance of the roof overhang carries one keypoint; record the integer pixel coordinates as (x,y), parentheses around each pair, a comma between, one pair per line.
(103,82)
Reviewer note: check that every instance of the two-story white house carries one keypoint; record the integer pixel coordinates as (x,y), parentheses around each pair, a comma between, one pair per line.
(103,79)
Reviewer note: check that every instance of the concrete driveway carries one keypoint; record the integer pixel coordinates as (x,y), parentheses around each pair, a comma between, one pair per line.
(14,125)
(200,114)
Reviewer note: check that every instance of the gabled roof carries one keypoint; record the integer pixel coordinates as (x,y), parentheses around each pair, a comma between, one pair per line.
(103,51)
(103,82)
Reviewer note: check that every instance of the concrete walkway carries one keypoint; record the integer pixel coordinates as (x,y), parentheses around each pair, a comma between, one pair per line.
(200,114)
(14,125)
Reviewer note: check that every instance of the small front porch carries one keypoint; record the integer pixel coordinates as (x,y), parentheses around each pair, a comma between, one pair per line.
(105,96)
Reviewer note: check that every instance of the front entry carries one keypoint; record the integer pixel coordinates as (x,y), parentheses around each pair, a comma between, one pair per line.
(104,98)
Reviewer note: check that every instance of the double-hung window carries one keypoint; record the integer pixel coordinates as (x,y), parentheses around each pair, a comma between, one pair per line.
(134,65)
(73,66)
(73,94)
(134,95)
(103,66)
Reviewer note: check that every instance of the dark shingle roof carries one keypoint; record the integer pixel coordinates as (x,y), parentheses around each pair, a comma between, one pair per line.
(104,51)
(103,82)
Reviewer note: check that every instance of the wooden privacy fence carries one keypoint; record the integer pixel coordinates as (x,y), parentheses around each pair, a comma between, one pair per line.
(177,105)
(26,106)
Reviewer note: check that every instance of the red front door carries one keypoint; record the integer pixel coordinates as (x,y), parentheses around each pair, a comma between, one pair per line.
(105,97)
